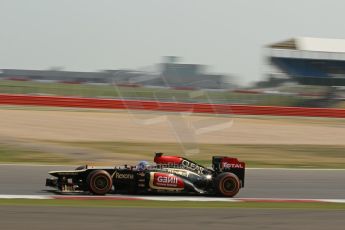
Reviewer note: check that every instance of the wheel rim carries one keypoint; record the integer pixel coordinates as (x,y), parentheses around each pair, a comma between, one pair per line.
(101,183)
(229,185)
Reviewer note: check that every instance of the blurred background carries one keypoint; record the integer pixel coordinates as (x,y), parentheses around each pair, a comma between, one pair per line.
(237,52)
(220,54)
(110,82)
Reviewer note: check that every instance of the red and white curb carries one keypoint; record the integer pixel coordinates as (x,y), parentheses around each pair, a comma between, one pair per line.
(170,198)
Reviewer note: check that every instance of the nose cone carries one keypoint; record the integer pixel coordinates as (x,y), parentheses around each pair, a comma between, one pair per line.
(53,173)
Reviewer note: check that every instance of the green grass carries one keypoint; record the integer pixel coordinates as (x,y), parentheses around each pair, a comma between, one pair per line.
(83,90)
(341,105)
(170,204)
(255,155)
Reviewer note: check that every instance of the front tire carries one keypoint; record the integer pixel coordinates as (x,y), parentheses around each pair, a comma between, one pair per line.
(227,184)
(99,182)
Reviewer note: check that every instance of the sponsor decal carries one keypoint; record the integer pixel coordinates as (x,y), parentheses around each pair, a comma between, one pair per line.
(227,165)
(125,176)
(181,172)
(166,181)
(193,167)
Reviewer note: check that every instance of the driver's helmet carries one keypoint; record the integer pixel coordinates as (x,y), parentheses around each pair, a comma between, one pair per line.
(143,165)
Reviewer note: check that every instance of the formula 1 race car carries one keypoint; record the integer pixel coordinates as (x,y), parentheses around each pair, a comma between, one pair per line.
(170,175)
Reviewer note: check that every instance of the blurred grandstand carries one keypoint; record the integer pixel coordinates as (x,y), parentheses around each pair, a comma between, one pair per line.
(308,72)
(311,61)
(170,74)
(313,67)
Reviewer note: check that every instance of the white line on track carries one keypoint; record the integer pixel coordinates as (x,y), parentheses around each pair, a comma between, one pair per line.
(166,198)
(32,197)
(333,200)
(171,198)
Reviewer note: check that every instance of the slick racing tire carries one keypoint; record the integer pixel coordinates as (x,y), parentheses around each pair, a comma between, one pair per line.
(99,182)
(227,184)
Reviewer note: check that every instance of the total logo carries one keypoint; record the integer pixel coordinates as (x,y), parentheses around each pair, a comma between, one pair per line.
(230,165)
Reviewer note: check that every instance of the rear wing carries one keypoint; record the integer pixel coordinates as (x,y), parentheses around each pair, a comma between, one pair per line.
(229,164)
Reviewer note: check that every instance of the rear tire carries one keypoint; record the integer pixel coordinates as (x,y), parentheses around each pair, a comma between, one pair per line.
(99,182)
(227,184)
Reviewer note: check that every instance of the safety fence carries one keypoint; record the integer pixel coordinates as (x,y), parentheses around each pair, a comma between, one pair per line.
(11,99)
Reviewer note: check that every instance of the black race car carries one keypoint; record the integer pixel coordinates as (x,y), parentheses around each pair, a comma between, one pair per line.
(170,175)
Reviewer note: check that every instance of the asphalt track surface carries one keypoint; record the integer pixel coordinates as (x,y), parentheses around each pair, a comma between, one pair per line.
(42,218)
(259,183)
